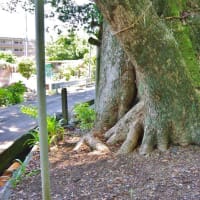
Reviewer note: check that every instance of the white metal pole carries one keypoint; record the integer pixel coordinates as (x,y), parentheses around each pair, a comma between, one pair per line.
(41,91)
(26,34)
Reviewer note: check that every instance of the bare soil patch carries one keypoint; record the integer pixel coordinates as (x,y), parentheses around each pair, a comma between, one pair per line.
(85,175)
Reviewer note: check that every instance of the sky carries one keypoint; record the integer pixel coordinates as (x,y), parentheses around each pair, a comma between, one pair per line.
(14,24)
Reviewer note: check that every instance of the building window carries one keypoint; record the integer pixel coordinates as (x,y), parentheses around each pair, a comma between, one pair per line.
(17,42)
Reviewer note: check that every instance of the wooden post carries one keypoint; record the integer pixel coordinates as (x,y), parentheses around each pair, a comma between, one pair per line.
(64,105)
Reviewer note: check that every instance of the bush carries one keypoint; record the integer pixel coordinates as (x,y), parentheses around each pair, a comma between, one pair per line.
(54,128)
(26,68)
(7,56)
(67,75)
(85,114)
(12,94)
(17,91)
(5,97)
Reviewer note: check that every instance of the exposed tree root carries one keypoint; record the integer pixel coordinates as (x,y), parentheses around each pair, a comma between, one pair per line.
(132,130)
(128,129)
(94,143)
(132,139)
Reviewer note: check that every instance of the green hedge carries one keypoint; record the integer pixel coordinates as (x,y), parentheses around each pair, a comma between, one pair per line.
(12,94)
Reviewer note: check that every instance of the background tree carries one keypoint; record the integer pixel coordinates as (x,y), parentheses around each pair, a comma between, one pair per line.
(7,57)
(69,47)
(85,16)
(14,5)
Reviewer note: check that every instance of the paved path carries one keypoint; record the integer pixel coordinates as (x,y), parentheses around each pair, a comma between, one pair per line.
(14,124)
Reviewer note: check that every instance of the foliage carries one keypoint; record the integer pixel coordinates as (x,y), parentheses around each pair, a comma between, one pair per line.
(26,67)
(14,5)
(67,75)
(7,56)
(86,16)
(54,127)
(35,138)
(85,114)
(5,97)
(30,111)
(69,47)
(12,94)
(17,176)
(62,73)
(17,90)
(55,130)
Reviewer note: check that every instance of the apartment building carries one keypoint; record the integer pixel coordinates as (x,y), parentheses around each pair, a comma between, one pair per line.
(18,46)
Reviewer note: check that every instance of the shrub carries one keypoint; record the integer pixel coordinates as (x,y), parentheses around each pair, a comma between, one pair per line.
(17,91)
(12,94)
(35,138)
(7,56)
(26,68)
(67,76)
(85,114)
(54,128)
(5,97)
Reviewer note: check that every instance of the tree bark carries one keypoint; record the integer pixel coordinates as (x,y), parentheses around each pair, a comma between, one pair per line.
(171,106)
(115,95)
(116,74)
(181,18)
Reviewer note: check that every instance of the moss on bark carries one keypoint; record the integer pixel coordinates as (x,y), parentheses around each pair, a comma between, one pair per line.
(184,34)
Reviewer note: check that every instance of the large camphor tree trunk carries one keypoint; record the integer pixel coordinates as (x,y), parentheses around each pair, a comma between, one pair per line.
(160,39)
(116,91)
(116,74)
(171,106)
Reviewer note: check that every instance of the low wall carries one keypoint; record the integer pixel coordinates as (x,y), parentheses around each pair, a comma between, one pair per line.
(5,76)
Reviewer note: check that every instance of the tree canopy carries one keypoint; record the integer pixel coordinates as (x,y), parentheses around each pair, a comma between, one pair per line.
(69,47)
(85,16)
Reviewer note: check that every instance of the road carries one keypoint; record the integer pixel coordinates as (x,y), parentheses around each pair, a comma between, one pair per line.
(14,124)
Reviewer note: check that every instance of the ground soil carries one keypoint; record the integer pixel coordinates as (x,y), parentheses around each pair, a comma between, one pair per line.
(85,175)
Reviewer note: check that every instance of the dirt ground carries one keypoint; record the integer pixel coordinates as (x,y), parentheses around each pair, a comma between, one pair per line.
(83,175)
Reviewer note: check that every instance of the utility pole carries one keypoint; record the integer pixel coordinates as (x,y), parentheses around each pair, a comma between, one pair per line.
(26,34)
(41,91)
